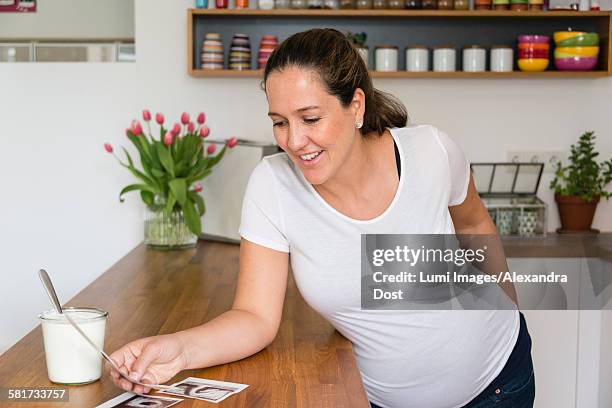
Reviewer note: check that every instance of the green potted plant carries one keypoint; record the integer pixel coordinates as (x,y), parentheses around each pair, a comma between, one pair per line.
(579,185)
(172,165)
(358,40)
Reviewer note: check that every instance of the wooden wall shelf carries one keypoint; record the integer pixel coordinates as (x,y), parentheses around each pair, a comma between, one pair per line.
(402,28)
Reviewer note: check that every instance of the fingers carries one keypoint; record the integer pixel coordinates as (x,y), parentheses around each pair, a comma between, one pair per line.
(148,355)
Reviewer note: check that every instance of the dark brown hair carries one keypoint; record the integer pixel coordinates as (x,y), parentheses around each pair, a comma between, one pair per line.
(342,70)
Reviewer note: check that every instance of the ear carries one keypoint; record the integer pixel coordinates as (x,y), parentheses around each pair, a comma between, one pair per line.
(358,104)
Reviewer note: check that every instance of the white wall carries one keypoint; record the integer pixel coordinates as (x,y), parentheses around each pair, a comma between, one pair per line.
(72,19)
(59,188)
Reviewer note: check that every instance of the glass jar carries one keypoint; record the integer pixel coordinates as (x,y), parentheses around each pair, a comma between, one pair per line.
(364,4)
(445,4)
(298,4)
(430,4)
(314,4)
(379,4)
(70,359)
(166,230)
(396,4)
(413,4)
(461,5)
(347,4)
(331,4)
(282,4)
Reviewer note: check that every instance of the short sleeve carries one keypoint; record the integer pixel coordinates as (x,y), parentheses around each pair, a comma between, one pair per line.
(261,221)
(459,168)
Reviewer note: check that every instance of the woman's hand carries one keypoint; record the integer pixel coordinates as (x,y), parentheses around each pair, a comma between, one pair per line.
(152,360)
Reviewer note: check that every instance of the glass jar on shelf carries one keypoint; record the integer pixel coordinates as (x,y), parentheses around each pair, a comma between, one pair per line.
(364,4)
(298,4)
(413,4)
(445,4)
(461,5)
(347,4)
(396,4)
(314,4)
(379,4)
(331,4)
(282,4)
(430,4)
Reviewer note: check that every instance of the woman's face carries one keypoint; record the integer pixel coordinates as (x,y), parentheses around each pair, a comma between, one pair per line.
(311,125)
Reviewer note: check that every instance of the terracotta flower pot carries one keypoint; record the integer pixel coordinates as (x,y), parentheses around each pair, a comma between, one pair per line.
(576,214)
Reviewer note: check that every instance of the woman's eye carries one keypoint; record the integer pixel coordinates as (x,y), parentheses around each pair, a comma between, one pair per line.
(279,123)
(311,120)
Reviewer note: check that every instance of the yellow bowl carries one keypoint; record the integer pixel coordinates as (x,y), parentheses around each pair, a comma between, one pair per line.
(578,51)
(533,64)
(564,35)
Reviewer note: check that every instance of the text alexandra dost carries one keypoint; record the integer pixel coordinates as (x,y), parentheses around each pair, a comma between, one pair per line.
(459,257)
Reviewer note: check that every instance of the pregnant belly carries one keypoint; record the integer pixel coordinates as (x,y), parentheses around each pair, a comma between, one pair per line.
(429,358)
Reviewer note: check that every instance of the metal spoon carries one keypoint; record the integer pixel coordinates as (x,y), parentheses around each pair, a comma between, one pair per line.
(46,280)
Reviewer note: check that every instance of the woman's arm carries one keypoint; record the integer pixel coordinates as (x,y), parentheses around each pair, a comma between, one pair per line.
(249,326)
(253,321)
(471,217)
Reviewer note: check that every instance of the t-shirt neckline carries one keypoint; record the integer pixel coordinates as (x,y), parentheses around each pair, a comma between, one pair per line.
(387,210)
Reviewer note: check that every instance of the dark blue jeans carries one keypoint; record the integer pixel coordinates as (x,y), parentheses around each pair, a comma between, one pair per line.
(514,387)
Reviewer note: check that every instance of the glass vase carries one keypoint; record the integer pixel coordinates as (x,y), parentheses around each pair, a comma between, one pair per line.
(166,231)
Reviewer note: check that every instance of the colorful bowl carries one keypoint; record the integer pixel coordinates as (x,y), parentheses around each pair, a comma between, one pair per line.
(559,36)
(531,54)
(533,64)
(582,40)
(534,39)
(576,63)
(567,52)
(533,46)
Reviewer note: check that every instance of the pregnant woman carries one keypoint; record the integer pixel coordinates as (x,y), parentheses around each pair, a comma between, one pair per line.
(351,166)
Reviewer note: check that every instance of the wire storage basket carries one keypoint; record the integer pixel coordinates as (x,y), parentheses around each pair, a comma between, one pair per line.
(509,191)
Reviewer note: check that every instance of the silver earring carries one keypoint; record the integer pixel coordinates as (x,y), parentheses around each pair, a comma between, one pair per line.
(358,124)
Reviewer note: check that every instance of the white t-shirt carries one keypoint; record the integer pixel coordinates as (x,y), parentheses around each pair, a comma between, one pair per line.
(407,358)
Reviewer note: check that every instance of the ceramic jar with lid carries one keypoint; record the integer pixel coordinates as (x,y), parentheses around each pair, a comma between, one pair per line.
(502,58)
(212,52)
(417,58)
(240,53)
(444,58)
(385,58)
(474,58)
(266,46)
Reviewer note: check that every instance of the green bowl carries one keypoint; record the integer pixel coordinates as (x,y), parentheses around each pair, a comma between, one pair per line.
(583,40)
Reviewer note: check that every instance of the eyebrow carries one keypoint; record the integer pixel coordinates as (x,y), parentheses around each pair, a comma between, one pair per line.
(305,108)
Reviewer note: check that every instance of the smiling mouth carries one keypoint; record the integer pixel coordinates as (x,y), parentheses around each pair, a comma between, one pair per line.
(311,156)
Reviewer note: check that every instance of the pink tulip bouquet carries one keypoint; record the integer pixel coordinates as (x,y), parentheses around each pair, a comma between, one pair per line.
(172,165)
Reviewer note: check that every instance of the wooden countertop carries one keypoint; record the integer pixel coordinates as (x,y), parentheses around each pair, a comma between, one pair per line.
(151,292)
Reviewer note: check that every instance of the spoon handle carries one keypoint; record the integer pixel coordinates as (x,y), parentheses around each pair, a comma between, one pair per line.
(46,280)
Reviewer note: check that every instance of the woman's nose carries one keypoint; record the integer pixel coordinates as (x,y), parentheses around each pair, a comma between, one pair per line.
(297,139)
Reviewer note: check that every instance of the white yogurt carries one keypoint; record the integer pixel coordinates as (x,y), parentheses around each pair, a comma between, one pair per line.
(70,359)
